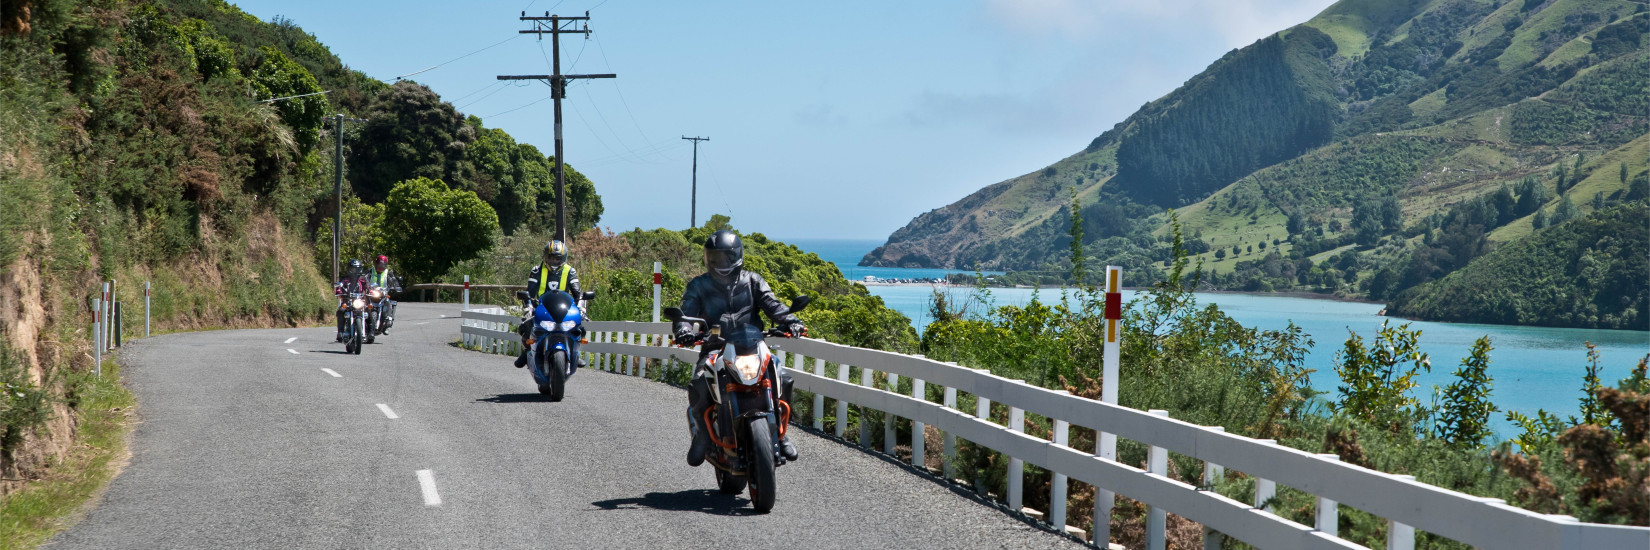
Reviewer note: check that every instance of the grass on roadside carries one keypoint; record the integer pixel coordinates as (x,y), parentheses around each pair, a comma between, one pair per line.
(33,514)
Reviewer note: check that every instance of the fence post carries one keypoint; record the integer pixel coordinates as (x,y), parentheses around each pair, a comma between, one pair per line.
(948,468)
(982,411)
(841,405)
(1157,462)
(104,317)
(466,293)
(109,336)
(1212,473)
(1329,512)
(919,447)
(1057,490)
(1398,535)
(97,335)
(819,398)
(1105,444)
(888,436)
(658,283)
(864,427)
(1265,489)
(146,309)
(1016,466)
(120,324)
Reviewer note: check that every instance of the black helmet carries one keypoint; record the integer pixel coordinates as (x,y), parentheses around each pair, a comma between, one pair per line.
(724,256)
(356,267)
(555,252)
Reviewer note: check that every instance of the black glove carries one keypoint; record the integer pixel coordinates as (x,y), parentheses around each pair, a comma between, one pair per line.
(797,330)
(685,336)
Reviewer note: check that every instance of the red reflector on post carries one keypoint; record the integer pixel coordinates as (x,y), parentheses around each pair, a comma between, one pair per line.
(1114,305)
(658,278)
(466,285)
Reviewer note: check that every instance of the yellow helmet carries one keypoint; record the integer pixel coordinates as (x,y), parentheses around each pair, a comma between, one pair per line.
(555,252)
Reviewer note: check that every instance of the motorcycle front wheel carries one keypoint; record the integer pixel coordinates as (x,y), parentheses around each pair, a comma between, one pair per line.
(762,476)
(558,375)
(355,336)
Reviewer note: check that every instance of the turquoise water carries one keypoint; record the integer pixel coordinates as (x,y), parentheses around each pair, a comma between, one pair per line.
(1533,367)
(846,253)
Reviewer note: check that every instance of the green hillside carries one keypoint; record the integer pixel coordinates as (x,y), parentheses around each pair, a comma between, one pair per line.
(1587,273)
(1394,133)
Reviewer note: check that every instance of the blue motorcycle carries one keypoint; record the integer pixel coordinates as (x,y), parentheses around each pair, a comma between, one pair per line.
(557,329)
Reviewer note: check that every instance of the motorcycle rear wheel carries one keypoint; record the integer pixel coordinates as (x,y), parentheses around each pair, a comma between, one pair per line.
(762,476)
(729,484)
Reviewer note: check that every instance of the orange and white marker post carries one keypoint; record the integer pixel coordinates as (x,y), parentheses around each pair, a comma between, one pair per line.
(1106,444)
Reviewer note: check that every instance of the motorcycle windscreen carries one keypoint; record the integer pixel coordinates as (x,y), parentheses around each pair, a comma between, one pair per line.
(553,306)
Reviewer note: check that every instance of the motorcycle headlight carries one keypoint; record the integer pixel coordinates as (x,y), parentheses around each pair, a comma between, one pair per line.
(375,293)
(749,368)
(547,325)
(568,326)
(359,303)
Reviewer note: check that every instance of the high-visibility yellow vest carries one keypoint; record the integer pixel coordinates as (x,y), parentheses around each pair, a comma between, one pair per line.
(544,279)
(381,279)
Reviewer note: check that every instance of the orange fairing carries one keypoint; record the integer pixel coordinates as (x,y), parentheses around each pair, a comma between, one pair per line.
(784,421)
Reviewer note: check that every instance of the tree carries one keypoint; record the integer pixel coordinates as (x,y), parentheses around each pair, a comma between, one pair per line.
(1531,195)
(1464,419)
(1506,206)
(1565,211)
(1376,380)
(1540,219)
(1077,260)
(410,133)
(277,75)
(429,227)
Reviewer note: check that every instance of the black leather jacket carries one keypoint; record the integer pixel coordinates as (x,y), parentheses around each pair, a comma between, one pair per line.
(733,304)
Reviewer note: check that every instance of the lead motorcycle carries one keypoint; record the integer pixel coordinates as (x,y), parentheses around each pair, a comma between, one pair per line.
(747,417)
(557,331)
(355,306)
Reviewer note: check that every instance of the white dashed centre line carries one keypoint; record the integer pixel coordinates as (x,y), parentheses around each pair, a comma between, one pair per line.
(426,481)
(290,340)
(292,351)
(387,411)
(423,323)
(333,373)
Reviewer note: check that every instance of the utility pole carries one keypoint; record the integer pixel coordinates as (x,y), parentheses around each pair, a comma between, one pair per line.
(338,190)
(553,26)
(693,208)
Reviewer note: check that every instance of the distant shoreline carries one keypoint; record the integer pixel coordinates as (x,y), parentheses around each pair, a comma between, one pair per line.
(1306,295)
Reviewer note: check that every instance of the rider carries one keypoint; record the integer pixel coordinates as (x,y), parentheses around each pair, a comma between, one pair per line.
(354,280)
(730,295)
(553,274)
(381,278)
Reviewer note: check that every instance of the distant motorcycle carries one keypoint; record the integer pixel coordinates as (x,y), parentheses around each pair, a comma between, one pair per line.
(749,417)
(557,331)
(355,306)
(379,314)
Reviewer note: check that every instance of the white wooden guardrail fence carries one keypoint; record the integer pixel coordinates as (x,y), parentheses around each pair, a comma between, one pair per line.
(1408,505)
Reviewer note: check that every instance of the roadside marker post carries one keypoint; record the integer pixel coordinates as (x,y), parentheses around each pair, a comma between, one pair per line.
(466,293)
(658,284)
(146,292)
(1106,444)
(97,336)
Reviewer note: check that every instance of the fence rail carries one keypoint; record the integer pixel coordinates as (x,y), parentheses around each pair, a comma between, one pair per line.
(1408,505)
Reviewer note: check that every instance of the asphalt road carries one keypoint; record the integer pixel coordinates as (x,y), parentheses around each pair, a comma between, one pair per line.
(275,438)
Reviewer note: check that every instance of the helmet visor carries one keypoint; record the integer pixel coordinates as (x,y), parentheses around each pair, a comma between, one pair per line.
(722,262)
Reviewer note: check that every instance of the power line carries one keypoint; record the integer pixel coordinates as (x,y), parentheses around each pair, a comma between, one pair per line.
(437,65)
(609,66)
(275,99)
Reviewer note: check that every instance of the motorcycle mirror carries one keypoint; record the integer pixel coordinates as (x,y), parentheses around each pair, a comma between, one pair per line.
(672,313)
(588,296)
(801,302)
(523,295)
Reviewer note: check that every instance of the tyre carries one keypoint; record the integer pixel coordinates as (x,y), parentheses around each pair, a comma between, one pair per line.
(357,336)
(558,375)
(762,481)
(352,341)
(543,389)
(727,483)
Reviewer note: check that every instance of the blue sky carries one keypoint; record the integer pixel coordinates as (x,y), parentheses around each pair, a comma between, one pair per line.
(836,119)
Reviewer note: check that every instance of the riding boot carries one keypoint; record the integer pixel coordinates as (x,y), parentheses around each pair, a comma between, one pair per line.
(698,402)
(340,326)
(521,360)
(786,448)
